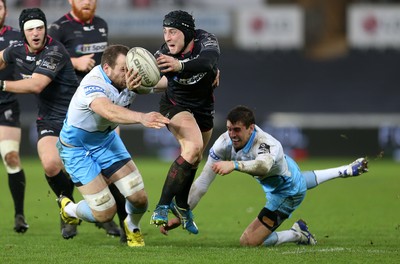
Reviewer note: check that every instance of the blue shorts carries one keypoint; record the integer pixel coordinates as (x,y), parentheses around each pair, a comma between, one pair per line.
(83,165)
(289,194)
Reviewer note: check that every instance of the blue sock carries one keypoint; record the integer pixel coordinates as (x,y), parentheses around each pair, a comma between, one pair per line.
(310,178)
(271,240)
(84,212)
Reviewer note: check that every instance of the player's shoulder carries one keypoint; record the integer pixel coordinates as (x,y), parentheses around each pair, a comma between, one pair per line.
(99,20)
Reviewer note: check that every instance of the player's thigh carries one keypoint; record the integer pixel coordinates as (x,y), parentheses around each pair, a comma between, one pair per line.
(10,133)
(94,186)
(48,153)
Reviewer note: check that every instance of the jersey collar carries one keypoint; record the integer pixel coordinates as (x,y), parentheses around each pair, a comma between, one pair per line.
(249,144)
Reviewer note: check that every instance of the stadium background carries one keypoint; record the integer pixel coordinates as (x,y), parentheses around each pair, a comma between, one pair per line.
(322,76)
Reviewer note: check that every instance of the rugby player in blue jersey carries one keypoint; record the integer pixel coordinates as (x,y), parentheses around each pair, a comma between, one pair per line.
(244,147)
(93,152)
(85,36)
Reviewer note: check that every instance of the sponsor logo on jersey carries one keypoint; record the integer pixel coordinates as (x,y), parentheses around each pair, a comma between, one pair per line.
(30,58)
(264,148)
(49,64)
(213,155)
(46,131)
(91,48)
(192,80)
(88,28)
(93,89)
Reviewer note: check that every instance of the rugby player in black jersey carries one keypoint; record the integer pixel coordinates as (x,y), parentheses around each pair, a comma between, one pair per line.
(43,67)
(85,36)
(188,60)
(10,129)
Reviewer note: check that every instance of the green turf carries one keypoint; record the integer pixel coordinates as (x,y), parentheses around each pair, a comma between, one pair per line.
(355,220)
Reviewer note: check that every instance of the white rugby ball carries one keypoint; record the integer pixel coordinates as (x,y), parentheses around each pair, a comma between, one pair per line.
(143,61)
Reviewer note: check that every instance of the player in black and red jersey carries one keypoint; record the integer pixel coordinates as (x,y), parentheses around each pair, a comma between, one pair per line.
(188,59)
(43,66)
(85,36)
(10,129)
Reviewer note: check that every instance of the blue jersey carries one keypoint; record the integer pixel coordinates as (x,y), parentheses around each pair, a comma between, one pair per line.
(88,143)
(82,126)
(283,178)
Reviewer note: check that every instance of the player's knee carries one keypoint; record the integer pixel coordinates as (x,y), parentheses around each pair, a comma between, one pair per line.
(102,204)
(51,166)
(106,215)
(139,199)
(247,241)
(130,184)
(9,152)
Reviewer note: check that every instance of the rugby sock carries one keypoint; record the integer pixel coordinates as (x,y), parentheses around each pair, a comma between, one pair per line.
(120,201)
(310,178)
(329,174)
(182,197)
(16,183)
(61,185)
(277,238)
(80,210)
(134,215)
(178,172)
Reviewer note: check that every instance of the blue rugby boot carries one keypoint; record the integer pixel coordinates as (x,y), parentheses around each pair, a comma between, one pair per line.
(160,215)
(186,216)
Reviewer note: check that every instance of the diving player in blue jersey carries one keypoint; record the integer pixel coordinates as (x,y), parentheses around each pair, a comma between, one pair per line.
(10,129)
(43,67)
(94,154)
(85,36)
(189,62)
(244,147)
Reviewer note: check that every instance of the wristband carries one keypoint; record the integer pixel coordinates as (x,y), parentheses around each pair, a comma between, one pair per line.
(236,165)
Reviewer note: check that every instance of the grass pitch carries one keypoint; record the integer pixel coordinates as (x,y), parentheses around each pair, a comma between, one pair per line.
(355,220)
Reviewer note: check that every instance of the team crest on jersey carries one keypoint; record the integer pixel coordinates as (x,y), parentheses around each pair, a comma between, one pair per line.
(93,89)
(264,148)
(213,155)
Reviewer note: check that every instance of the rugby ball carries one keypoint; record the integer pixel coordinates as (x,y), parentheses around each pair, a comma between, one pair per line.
(143,61)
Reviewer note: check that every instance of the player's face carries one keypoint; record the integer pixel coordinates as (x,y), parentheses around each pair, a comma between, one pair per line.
(3,14)
(175,39)
(117,74)
(84,10)
(35,38)
(239,134)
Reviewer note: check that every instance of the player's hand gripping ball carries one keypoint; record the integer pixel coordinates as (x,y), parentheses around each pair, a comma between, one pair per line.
(143,61)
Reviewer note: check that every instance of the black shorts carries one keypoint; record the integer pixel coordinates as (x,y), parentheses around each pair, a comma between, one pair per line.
(205,120)
(48,128)
(10,114)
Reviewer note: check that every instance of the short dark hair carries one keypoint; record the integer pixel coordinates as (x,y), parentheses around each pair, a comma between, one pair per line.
(111,53)
(242,114)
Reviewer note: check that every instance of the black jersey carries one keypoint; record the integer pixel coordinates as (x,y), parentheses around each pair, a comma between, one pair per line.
(8,36)
(194,90)
(54,62)
(81,38)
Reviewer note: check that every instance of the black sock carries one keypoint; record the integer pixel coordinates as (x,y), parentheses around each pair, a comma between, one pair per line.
(182,197)
(120,201)
(174,184)
(17,183)
(61,184)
